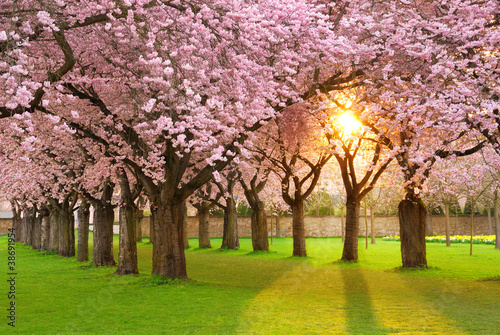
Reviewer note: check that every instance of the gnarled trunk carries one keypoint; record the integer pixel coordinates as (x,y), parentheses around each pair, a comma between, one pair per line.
(230,238)
(54,230)
(203,225)
(412,220)
(350,251)
(83,232)
(168,246)
(102,254)
(260,240)
(299,234)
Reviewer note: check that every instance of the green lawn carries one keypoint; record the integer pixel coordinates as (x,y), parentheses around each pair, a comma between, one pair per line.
(242,292)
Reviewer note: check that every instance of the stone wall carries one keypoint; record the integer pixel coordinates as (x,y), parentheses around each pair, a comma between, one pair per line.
(5,224)
(324,226)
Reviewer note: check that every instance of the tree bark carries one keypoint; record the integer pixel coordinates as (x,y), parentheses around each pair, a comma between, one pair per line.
(168,246)
(203,225)
(412,221)
(342,224)
(185,235)
(66,249)
(17,222)
(230,238)
(490,225)
(37,231)
(127,254)
(496,219)
(54,230)
(372,225)
(28,223)
(447,214)
(152,224)
(102,254)
(350,251)
(83,232)
(278,226)
(366,228)
(260,240)
(472,224)
(139,214)
(299,233)
(44,241)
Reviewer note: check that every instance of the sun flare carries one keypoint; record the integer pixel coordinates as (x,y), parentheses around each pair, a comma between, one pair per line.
(348,122)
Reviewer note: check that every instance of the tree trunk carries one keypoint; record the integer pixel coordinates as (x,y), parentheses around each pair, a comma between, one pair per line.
(230,238)
(54,231)
(350,252)
(28,223)
(37,231)
(447,214)
(278,226)
(372,225)
(496,219)
(299,233)
(72,240)
(44,241)
(203,225)
(139,214)
(490,226)
(185,234)
(102,254)
(366,228)
(342,225)
(83,232)
(17,222)
(412,220)
(127,254)
(152,224)
(168,246)
(472,223)
(65,221)
(260,240)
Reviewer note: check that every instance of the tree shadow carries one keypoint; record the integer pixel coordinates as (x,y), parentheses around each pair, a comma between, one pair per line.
(360,313)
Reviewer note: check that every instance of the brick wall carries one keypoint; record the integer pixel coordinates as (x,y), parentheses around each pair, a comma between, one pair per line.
(323,226)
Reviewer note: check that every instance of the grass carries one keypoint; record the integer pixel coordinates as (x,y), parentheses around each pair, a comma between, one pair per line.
(245,292)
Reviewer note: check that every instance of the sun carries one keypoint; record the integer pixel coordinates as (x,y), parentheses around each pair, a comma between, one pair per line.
(348,122)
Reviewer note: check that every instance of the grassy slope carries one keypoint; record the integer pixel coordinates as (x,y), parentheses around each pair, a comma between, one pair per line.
(241,292)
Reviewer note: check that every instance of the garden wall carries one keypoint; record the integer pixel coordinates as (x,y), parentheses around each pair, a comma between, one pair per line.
(5,224)
(324,226)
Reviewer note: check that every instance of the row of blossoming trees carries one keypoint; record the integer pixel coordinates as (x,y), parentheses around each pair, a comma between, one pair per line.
(178,100)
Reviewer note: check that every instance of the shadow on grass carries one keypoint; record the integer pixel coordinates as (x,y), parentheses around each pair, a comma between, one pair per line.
(473,306)
(360,314)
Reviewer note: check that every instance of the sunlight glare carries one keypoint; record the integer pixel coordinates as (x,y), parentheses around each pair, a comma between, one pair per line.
(349,122)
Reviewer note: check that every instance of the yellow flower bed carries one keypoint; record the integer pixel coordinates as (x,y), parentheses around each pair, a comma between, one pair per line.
(479,239)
